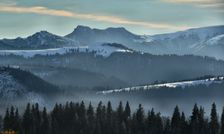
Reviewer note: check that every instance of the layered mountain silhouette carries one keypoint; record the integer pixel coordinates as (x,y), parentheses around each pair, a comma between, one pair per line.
(206,41)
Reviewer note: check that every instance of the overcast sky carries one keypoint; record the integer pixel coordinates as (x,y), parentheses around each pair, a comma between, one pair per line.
(25,17)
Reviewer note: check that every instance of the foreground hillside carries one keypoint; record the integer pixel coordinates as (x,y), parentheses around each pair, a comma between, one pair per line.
(18,85)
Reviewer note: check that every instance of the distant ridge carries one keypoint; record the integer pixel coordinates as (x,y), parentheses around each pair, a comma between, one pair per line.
(203,41)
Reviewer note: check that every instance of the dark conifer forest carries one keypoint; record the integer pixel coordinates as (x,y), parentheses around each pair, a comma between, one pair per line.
(79,118)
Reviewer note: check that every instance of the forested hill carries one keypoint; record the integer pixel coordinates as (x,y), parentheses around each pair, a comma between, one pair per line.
(136,68)
(15,82)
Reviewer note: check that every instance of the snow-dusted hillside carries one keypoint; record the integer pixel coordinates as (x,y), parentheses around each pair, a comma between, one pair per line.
(202,34)
(99,49)
(217,40)
(199,41)
(23,86)
(181,84)
(11,89)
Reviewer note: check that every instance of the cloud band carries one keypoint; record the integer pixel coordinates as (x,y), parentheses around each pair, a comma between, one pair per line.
(110,19)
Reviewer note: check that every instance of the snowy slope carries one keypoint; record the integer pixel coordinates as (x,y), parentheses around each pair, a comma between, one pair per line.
(198,41)
(100,49)
(11,89)
(201,34)
(23,86)
(181,84)
(216,40)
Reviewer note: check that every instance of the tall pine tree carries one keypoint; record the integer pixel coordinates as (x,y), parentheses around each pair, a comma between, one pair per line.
(27,124)
(17,122)
(90,119)
(194,121)
(127,111)
(176,121)
(6,122)
(222,122)
(140,120)
(44,127)
(214,125)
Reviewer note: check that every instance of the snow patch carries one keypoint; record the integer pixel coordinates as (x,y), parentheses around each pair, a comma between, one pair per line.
(181,84)
(99,49)
(215,40)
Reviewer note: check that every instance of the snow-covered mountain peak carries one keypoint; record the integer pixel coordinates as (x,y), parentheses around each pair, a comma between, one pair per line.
(87,36)
(81,28)
(42,35)
(200,33)
(117,29)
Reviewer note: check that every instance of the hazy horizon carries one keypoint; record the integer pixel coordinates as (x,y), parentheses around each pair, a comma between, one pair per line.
(20,18)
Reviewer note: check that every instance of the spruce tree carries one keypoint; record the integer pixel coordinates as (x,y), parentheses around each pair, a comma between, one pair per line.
(109,111)
(127,111)
(176,122)
(201,121)
(222,122)
(1,124)
(194,121)
(122,128)
(120,112)
(27,121)
(159,124)
(99,118)
(12,118)
(167,127)
(90,119)
(214,125)
(17,122)
(6,122)
(151,129)
(36,119)
(44,127)
(55,119)
(82,118)
(127,115)
(109,117)
(183,126)
(103,123)
(140,120)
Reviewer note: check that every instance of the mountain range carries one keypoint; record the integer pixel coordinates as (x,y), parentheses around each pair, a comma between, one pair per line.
(206,41)
(78,65)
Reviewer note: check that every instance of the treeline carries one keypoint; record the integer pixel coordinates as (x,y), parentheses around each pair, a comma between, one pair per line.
(76,118)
